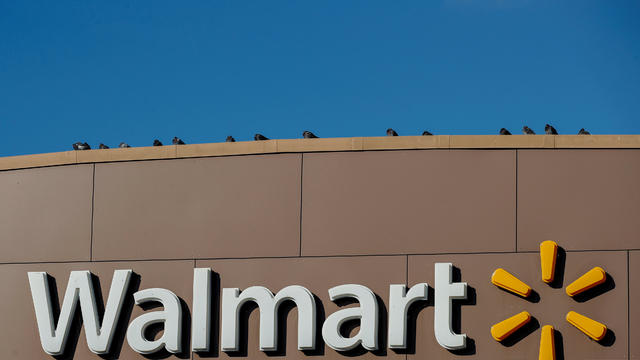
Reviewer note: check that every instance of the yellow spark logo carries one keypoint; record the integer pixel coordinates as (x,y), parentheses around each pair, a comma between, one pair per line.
(507,281)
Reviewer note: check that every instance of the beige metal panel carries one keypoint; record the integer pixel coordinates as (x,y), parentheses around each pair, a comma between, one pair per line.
(598,141)
(125,154)
(318,275)
(227,148)
(584,199)
(46,214)
(311,145)
(502,141)
(489,305)
(408,202)
(198,208)
(406,142)
(20,331)
(37,160)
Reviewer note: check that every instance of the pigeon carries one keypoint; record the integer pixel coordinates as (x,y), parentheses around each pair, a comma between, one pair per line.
(260,137)
(124,145)
(309,135)
(426,133)
(157,142)
(391,132)
(177,141)
(81,146)
(103,146)
(550,130)
(583,132)
(504,131)
(230,139)
(527,131)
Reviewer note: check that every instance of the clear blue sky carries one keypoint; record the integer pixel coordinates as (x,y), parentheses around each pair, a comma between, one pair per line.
(111,71)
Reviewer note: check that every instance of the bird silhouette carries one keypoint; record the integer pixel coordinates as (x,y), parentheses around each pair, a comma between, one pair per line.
(550,130)
(177,141)
(391,132)
(157,142)
(504,131)
(259,137)
(124,145)
(103,146)
(583,132)
(230,139)
(81,146)
(527,131)
(426,133)
(309,135)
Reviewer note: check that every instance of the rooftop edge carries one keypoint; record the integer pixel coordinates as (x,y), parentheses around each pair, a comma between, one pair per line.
(323,145)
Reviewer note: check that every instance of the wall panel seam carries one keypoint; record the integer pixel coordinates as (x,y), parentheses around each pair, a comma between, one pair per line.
(406,279)
(301,194)
(93,197)
(300,257)
(516,230)
(304,257)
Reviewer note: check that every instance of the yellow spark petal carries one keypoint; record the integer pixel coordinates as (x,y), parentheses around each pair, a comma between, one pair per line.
(592,328)
(548,254)
(593,277)
(503,329)
(547,346)
(505,280)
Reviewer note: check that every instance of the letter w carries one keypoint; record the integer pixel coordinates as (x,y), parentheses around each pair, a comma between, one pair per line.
(80,287)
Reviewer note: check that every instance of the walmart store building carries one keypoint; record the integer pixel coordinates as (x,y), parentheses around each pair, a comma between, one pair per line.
(442,247)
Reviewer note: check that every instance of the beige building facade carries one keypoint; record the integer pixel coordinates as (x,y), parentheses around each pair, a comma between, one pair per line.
(325,212)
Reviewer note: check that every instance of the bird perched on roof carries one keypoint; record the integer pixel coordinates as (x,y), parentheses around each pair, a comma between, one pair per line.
(230,139)
(583,132)
(103,146)
(157,142)
(309,135)
(550,130)
(391,132)
(124,145)
(177,141)
(504,131)
(426,133)
(527,131)
(260,137)
(81,146)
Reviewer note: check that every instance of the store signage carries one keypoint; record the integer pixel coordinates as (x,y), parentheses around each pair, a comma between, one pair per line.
(100,332)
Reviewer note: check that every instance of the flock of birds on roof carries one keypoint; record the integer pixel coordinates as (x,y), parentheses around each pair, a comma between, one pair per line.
(548,129)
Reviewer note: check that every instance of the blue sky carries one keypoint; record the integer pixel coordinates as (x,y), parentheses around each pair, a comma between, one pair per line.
(112,71)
